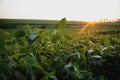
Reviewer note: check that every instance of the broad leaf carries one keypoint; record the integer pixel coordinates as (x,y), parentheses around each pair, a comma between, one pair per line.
(77,74)
(62,24)
(19,34)
(38,68)
(52,73)
(19,75)
(90,51)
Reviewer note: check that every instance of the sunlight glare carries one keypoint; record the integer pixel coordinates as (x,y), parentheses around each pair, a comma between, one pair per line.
(83,28)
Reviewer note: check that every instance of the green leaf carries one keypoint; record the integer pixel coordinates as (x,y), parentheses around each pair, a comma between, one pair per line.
(30,59)
(19,34)
(68,36)
(3,37)
(77,74)
(51,74)
(44,78)
(32,75)
(27,28)
(56,37)
(4,67)
(38,68)
(107,42)
(68,65)
(54,77)
(19,75)
(96,56)
(62,24)
(27,61)
(3,33)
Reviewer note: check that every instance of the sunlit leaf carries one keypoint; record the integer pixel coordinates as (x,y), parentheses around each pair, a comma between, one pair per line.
(75,68)
(103,49)
(82,45)
(62,24)
(96,56)
(112,47)
(3,33)
(68,65)
(78,54)
(101,52)
(90,51)
(91,43)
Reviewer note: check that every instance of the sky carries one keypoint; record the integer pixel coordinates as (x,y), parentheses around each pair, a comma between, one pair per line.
(89,10)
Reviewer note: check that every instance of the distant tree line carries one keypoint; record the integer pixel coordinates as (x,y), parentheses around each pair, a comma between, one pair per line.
(4,25)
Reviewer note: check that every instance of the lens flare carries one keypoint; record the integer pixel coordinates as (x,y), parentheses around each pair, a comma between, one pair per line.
(83,28)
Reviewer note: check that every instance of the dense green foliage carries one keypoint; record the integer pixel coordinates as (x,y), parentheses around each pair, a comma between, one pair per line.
(44,54)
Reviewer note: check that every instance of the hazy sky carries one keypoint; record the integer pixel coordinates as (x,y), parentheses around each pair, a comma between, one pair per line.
(57,9)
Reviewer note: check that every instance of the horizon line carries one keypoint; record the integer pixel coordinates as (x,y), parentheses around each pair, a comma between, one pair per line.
(60,19)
